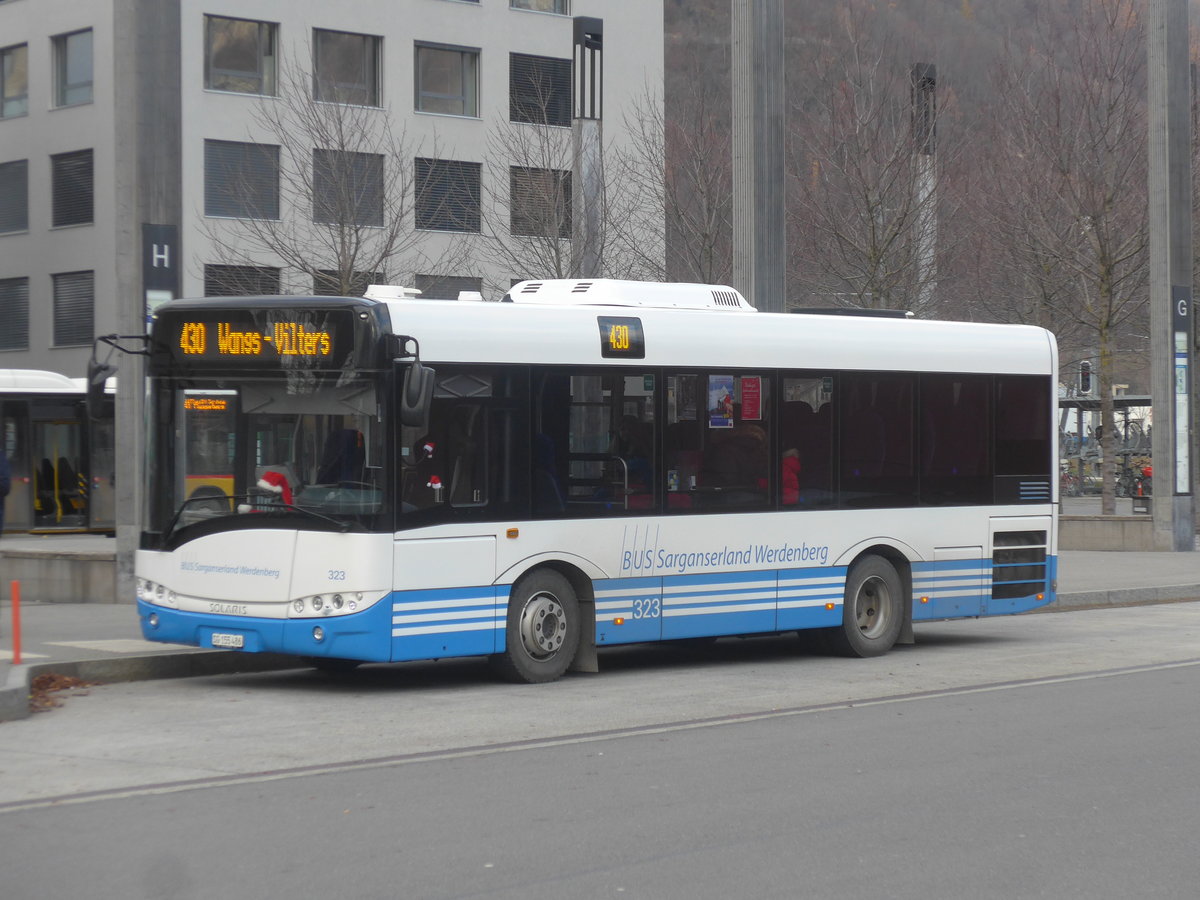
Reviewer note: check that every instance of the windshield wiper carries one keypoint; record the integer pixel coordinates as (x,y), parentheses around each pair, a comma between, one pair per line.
(170,530)
(341,525)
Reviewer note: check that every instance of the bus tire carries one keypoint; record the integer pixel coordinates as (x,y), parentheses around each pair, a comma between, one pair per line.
(873,611)
(542,630)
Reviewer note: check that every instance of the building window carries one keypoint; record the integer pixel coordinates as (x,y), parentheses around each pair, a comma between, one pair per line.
(539,89)
(448,195)
(14,314)
(71,177)
(540,202)
(240,281)
(239,55)
(74,308)
(328,283)
(241,181)
(73,68)
(346,67)
(14,81)
(447,80)
(562,7)
(347,188)
(447,287)
(14,196)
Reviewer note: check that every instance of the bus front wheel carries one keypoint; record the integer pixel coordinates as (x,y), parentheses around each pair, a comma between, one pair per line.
(542,631)
(873,611)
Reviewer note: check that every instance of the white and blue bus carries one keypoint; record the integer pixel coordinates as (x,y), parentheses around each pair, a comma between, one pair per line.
(585,464)
(61,460)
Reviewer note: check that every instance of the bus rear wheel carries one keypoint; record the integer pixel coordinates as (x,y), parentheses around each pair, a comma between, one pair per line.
(542,631)
(873,612)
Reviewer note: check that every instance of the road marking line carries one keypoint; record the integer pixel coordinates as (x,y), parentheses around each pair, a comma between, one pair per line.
(248,778)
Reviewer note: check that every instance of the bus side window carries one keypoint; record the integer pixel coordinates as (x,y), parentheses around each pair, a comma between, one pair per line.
(807,428)
(955,462)
(465,444)
(685,459)
(449,466)
(878,465)
(737,459)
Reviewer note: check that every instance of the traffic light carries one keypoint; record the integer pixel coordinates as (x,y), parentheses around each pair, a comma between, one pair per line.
(1085,377)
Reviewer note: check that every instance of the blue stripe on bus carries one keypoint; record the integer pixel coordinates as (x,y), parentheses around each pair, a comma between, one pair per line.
(628,610)
(953,587)
(466,621)
(713,604)
(721,603)
(804,595)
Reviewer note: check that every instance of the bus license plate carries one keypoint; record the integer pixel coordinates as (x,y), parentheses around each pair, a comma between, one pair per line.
(233,641)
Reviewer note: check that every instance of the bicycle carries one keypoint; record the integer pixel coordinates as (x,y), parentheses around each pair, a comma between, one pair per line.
(1069,484)
(1135,482)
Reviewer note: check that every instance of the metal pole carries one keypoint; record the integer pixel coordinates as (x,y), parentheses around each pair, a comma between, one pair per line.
(15,599)
(588,136)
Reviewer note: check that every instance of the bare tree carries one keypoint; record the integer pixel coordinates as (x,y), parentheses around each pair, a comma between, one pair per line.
(1072,197)
(864,195)
(678,163)
(528,219)
(326,190)
(533,211)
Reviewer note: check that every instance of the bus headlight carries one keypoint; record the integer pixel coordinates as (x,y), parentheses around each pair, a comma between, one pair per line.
(327,605)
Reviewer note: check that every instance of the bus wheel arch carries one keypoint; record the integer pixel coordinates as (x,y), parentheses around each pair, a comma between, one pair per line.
(550,625)
(877,612)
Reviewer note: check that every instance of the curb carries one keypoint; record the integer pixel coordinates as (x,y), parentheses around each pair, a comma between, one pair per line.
(1172,593)
(14,693)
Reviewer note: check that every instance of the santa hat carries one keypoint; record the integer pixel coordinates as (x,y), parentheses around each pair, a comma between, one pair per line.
(277,483)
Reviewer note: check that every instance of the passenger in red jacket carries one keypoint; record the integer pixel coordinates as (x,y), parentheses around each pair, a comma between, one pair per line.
(790,477)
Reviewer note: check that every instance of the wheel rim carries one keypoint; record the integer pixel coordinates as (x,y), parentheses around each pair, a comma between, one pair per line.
(873,607)
(543,626)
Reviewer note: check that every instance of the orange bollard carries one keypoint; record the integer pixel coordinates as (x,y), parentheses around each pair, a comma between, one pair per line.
(16,622)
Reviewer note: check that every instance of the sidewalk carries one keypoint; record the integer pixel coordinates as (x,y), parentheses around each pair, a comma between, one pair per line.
(102,641)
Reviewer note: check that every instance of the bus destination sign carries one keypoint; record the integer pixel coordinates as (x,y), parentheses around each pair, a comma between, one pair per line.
(282,339)
(260,338)
(621,337)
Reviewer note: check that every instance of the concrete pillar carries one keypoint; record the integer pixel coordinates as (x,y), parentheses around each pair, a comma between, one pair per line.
(149,191)
(1171,304)
(759,187)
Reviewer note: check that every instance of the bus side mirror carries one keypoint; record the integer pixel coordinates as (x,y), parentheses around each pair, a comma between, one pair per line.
(98,374)
(416,395)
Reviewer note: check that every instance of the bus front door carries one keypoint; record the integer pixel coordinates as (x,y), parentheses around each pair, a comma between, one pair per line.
(58,479)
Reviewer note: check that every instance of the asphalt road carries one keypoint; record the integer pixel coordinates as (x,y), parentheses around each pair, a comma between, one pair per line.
(1039,756)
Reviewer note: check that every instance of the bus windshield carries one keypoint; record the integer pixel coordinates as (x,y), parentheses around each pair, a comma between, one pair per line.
(266,445)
